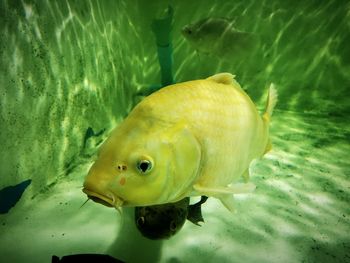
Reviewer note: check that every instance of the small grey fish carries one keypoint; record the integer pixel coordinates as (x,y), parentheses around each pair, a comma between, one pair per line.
(218,37)
(164,221)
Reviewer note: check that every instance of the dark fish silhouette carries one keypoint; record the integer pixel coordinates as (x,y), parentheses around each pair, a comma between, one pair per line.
(90,133)
(164,221)
(195,211)
(100,258)
(10,195)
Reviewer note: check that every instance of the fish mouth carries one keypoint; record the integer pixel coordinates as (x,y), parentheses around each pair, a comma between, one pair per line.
(109,201)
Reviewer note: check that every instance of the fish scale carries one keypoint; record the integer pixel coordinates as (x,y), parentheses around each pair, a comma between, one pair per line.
(195,138)
(217,123)
(216,112)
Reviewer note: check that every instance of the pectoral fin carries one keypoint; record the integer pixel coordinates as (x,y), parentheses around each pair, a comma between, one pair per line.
(228,201)
(225,194)
(232,189)
(246,176)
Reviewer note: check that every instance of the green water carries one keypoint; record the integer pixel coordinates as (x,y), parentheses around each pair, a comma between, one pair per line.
(66,66)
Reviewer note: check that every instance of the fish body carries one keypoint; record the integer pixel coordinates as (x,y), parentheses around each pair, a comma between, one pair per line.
(161,221)
(219,37)
(188,139)
(164,221)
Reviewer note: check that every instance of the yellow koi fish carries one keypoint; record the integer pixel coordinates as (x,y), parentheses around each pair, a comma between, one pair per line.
(194,138)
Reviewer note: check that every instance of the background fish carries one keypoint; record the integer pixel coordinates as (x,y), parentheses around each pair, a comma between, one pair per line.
(164,221)
(161,221)
(219,37)
(188,139)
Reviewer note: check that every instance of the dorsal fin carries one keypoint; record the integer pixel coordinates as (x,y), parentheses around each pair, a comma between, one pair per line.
(223,78)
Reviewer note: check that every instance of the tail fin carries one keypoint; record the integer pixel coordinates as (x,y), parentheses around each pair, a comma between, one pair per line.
(271,102)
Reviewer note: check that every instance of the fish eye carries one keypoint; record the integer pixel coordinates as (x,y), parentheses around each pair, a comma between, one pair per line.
(140,221)
(144,166)
(173,225)
(187,30)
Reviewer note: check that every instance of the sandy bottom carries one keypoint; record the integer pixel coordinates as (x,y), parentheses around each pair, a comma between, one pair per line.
(298,213)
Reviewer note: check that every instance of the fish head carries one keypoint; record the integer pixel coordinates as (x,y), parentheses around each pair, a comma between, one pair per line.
(198,37)
(189,32)
(195,35)
(137,168)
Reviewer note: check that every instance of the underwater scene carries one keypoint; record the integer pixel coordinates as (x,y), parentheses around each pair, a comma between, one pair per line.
(174,131)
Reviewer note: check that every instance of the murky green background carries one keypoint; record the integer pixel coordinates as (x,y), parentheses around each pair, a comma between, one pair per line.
(66,66)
